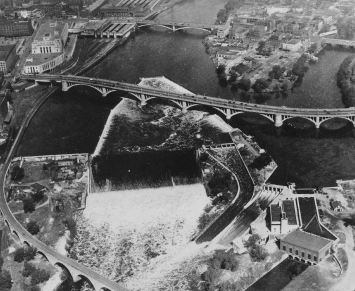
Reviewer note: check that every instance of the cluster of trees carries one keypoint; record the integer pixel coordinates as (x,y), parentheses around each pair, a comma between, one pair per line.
(256,251)
(221,74)
(206,217)
(261,161)
(346,28)
(219,182)
(223,14)
(24,254)
(276,72)
(313,47)
(345,82)
(32,227)
(17,173)
(300,67)
(37,275)
(221,260)
(5,278)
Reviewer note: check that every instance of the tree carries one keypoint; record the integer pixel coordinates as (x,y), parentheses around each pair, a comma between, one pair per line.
(224,260)
(35,288)
(221,69)
(261,46)
(312,48)
(70,224)
(232,77)
(32,227)
(252,240)
(28,205)
(277,71)
(210,278)
(261,161)
(260,85)
(19,255)
(28,269)
(244,84)
(284,86)
(258,253)
(37,196)
(17,173)
(219,182)
(5,280)
(39,276)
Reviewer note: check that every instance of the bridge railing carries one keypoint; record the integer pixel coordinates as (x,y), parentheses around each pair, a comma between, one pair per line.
(195,98)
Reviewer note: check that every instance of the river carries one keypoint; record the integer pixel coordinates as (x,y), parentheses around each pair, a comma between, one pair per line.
(73,121)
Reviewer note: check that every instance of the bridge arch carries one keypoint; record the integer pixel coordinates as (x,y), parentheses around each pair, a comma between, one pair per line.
(86,279)
(340,117)
(299,117)
(154,24)
(14,232)
(188,27)
(87,85)
(208,108)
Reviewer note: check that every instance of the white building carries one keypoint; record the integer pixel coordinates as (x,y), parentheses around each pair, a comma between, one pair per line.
(50,38)
(292,45)
(47,48)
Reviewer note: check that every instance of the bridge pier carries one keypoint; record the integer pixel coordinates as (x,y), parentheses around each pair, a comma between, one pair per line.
(278,120)
(104,92)
(317,122)
(184,107)
(174,28)
(65,86)
(143,100)
(228,114)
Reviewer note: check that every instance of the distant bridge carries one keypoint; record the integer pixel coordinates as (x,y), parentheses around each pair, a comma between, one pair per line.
(228,108)
(175,26)
(340,42)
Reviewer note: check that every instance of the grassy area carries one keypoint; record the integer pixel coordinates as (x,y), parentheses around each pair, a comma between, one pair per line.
(343,258)
(15,206)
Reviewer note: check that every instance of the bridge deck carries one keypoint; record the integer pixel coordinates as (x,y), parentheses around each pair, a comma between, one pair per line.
(198,99)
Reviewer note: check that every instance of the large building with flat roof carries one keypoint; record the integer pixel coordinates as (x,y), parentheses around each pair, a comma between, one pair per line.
(47,48)
(8,57)
(15,27)
(50,38)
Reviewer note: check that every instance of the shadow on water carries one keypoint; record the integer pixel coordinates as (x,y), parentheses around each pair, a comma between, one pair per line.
(279,277)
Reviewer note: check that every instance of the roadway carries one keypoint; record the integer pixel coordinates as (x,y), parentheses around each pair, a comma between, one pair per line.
(25,235)
(196,98)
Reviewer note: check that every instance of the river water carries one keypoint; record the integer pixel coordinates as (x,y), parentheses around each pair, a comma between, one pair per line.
(73,121)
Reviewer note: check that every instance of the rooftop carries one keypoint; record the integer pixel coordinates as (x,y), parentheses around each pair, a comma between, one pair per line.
(50,30)
(316,228)
(5,51)
(38,59)
(275,211)
(308,209)
(95,24)
(306,240)
(289,209)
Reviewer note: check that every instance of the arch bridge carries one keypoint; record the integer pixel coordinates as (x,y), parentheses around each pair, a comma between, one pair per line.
(276,114)
(338,42)
(175,26)
(76,270)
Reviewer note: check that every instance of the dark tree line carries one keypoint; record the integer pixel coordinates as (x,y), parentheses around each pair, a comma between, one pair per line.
(345,81)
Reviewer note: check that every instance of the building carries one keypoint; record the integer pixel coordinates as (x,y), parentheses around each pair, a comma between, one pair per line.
(306,247)
(292,45)
(39,63)
(8,57)
(95,27)
(15,28)
(67,162)
(50,38)
(336,206)
(283,217)
(238,32)
(257,32)
(109,10)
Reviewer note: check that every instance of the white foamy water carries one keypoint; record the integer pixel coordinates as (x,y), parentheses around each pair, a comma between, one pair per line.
(138,209)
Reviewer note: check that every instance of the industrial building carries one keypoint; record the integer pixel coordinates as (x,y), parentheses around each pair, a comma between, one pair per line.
(15,27)
(8,57)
